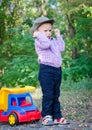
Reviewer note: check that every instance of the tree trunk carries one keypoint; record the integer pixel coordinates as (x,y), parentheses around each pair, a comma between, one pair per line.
(72,33)
(43,6)
(2,31)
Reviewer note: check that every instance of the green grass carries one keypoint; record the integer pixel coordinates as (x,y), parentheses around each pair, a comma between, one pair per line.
(84,84)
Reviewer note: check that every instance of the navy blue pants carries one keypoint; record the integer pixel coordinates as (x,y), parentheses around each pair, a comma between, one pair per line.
(50,80)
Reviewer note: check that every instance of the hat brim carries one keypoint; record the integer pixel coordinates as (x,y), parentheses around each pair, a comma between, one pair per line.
(47,21)
(35,27)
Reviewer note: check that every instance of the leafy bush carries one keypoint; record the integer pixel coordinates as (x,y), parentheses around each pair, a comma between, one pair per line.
(77,68)
(22,70)
(19,61)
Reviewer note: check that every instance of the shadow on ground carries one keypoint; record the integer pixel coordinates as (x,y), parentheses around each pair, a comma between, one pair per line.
(38,126)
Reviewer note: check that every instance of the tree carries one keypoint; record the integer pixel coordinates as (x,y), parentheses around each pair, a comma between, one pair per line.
(74,10)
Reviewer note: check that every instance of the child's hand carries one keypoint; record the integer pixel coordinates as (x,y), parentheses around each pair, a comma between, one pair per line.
(35,34)
(57,32)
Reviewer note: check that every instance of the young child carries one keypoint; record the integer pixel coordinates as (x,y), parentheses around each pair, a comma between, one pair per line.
(49,57)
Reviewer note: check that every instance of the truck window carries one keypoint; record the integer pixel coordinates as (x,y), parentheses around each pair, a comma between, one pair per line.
(13,102)
(25,101)
(28,99)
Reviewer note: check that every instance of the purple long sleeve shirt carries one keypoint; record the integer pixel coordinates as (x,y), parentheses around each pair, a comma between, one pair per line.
(49,50)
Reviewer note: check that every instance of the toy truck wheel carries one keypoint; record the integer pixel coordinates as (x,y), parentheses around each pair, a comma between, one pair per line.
(13,119)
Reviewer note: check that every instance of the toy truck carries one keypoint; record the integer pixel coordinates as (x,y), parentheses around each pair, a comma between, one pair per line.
(16,106)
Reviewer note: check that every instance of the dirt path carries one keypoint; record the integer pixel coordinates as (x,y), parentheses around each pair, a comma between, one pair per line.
(38,126)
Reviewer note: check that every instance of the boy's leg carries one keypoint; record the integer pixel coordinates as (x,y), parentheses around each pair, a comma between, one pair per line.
(56,104)
(57,115)
(47,84)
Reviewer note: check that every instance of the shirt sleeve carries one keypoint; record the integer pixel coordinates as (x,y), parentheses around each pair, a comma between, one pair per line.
(42,41)
(60,43)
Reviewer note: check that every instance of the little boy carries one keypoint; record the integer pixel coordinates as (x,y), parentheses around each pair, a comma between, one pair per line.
(49,57)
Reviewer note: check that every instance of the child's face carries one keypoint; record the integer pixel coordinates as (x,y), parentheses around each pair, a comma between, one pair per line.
(46,28)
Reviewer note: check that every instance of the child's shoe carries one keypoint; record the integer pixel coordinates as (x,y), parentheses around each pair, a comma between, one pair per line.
(47,120)
(61,121)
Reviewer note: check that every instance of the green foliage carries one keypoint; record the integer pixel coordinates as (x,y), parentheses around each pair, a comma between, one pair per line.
(77,69)
(22,70)
(19,61)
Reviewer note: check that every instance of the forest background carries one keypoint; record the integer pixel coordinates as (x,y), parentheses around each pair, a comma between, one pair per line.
(18,59)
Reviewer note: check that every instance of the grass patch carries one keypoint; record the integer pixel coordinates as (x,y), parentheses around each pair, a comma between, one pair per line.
(84,84)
